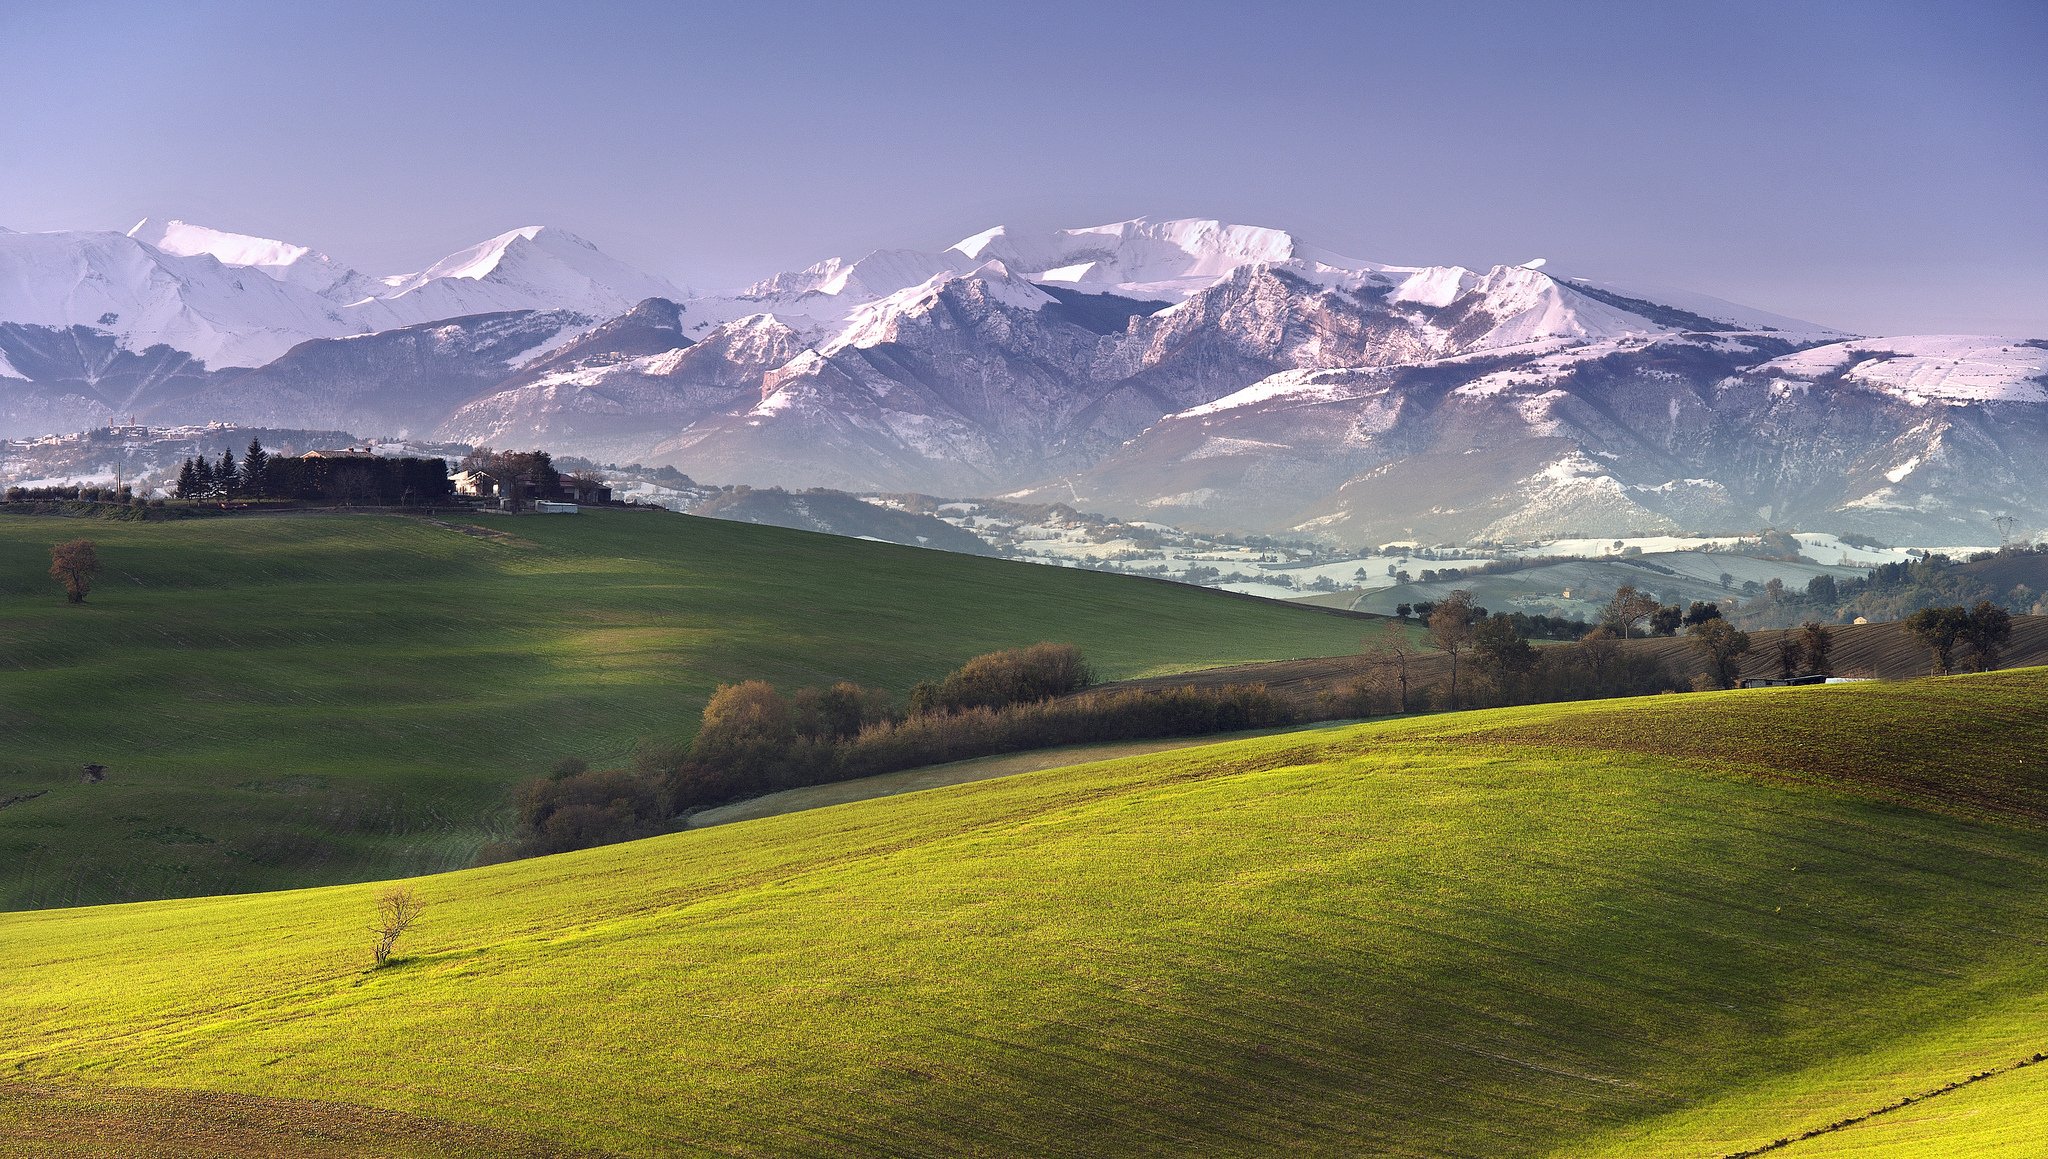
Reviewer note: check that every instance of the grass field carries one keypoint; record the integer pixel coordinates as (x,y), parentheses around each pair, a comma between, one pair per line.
(297,700)
(1683,926)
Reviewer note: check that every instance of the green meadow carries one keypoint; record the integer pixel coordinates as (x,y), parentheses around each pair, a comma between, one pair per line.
(1687,926)
(287,701)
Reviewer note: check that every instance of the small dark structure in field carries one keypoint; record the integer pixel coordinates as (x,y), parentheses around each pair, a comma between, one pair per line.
(93,774)
(1783,681)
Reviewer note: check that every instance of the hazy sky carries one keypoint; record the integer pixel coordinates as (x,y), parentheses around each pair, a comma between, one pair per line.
(1875,166)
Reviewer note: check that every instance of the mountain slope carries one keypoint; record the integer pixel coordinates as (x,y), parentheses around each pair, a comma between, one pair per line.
(232,300)
(1224,376)
(1512,933)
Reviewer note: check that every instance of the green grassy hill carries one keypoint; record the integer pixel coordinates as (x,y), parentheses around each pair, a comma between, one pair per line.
(298,700)
(1679,926)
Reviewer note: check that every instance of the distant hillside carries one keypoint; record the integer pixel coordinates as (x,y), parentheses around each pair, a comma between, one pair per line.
(1871,651)
(1676,927)
(837,513)
(287,701)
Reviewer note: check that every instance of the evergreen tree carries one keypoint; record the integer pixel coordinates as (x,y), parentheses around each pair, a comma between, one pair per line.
(226,478)
(253,465)
(202,476)
(188,480)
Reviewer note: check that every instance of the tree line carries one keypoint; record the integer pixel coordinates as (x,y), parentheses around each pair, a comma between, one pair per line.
(755,739)
(351,480)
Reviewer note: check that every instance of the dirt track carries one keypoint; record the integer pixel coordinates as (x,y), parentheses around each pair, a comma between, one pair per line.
(1883,651)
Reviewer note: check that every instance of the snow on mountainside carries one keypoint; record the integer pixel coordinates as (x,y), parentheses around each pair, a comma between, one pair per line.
(534,268)
(113,284)
(1928,368)
(292,264)
(1215,375)
(235,300)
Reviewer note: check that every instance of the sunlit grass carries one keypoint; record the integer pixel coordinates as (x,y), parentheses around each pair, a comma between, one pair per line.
(1501,933)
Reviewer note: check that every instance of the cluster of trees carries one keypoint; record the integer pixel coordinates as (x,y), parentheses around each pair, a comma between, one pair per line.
(1532,627)
(1979,633)
(1893,591)
(1491,662)
(121,494)
(351,480)
(756,739)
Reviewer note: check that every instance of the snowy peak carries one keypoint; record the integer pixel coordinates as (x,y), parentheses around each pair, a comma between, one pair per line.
(1146,258)
(294,265)
(472,264)
(232,249)
(991,282)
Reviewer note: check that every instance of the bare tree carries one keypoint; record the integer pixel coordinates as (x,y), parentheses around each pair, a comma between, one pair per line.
(1628,608)
(1388,652)
(397,909)
(1450,628)
(74,565)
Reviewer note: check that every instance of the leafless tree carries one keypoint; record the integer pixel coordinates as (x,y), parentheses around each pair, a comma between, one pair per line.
(397,909)
(1387,652)
(1627,609)
(1450,628)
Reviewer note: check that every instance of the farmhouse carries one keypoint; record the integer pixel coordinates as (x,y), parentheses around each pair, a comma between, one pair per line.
(482,484)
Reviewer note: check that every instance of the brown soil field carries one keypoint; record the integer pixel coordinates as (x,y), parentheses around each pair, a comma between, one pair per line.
(50,1119)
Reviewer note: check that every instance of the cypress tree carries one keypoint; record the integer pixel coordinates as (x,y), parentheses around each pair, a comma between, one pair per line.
(253,466)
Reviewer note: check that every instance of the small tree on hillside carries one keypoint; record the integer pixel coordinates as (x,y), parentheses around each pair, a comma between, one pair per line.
(1818,642)
(397,909)
(1598,650)
(1985,634)
(1387,653)
(1791,654)
(1450,628)
(1627,609)
(75,564)
(1721,645)
(1501,652)
(1938,630)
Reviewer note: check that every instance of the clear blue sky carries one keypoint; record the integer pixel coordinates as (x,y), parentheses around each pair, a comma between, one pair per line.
(1878,166)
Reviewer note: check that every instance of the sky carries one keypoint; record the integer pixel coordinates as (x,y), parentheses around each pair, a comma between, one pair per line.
(1880,167)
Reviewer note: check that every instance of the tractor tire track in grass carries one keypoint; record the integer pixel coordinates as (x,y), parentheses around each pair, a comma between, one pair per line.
(1907,1101)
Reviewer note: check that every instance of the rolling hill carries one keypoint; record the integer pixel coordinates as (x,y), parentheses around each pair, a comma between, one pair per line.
(1683,926)
(320,698)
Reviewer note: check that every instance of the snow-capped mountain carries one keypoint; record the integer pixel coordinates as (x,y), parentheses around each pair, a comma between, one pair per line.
(230,299)
(1193,371)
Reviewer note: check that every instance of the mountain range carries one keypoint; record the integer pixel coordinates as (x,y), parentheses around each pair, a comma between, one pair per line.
(1187,371)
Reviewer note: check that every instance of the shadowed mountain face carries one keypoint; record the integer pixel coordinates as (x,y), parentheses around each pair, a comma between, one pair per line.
(1210,375)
